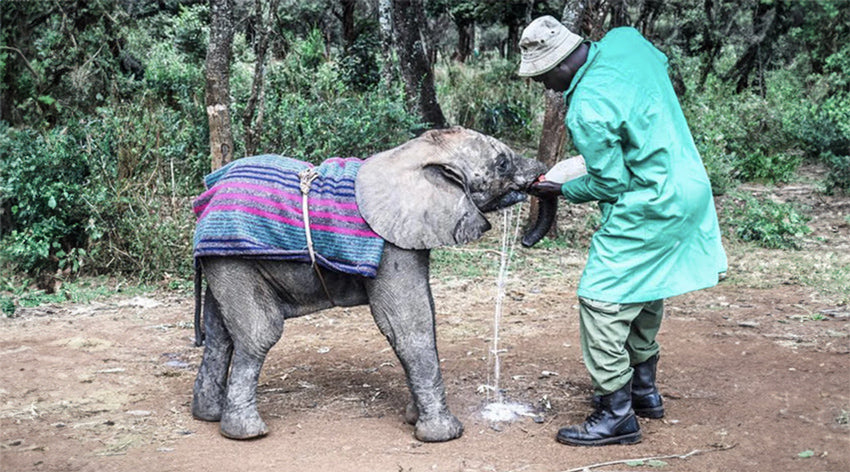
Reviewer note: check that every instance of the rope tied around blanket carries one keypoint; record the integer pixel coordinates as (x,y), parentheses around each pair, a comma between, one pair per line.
(307,177)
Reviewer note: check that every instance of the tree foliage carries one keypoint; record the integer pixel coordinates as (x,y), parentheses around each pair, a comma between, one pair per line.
(104,135)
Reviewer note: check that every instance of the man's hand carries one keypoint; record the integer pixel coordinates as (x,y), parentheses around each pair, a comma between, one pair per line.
(545,189)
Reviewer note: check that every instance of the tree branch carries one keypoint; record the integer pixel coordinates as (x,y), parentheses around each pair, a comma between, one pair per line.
(26,62)
(655,458)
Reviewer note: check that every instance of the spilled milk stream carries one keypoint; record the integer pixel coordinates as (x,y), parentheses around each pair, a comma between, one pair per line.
(497,409)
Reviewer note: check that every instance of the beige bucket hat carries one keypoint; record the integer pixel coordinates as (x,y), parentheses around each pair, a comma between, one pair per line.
(545,42)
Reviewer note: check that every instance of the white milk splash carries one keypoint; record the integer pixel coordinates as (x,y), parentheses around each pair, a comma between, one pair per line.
(498,410)
(503,412)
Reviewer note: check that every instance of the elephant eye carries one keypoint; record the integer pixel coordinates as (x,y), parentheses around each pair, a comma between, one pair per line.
(503,164)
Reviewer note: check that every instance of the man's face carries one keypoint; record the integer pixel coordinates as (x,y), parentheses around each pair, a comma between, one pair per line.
(555,79)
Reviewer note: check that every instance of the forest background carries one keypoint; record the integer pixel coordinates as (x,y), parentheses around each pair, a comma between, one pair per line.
(105,134)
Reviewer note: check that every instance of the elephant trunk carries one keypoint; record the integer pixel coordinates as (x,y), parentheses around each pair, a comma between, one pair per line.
(547,208)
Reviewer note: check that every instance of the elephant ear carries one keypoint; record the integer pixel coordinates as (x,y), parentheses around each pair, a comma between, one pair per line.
(415,195)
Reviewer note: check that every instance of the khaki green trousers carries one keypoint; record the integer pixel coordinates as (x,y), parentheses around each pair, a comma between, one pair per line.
(616,336)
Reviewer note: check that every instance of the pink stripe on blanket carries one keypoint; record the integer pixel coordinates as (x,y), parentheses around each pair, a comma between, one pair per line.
(205,209)
(341,161)
(293,222)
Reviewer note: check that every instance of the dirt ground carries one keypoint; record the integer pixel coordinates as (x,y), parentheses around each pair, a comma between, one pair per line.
(755,373)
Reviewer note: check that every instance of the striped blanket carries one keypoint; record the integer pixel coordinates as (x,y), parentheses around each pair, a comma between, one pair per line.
(252,208)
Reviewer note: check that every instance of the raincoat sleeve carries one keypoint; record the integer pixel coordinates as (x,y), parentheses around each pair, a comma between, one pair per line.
(599,140)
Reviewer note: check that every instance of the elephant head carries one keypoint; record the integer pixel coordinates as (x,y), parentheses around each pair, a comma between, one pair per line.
(434,190)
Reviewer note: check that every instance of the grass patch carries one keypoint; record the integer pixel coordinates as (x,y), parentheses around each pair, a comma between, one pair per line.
(21,293)
(471,261)
(825,270)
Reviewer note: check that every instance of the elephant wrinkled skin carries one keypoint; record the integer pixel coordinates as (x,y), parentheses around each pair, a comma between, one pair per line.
(428,192)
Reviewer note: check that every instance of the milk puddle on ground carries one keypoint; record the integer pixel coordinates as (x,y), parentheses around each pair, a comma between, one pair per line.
(497,409)
(503,412)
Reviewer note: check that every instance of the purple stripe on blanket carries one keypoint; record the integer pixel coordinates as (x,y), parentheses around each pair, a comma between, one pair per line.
(347,205)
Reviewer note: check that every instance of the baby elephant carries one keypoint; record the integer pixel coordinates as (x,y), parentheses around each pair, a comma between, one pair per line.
(428,192)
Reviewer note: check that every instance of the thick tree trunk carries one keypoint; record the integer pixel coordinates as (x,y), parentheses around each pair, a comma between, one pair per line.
(385,21)
(711,44)
(5,105)
(408,19)
(512,48)
(554,135)
(218,82)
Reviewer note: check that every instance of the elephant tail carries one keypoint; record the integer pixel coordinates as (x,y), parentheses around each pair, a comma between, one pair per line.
(199,331)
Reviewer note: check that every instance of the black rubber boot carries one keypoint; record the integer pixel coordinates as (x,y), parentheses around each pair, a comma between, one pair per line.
(613,422)
(646,400)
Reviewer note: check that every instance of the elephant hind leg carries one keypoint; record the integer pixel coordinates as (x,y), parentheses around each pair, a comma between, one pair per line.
(208,396)
(254,314)
(241,419)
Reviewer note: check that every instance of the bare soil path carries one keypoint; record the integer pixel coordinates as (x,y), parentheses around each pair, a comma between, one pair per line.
(754,371)
(107,387)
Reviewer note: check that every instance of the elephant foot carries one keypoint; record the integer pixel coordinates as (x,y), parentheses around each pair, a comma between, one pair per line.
(205,408)
(411,413)
(438,429)
(245,424)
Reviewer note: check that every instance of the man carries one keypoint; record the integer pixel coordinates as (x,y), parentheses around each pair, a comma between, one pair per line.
(659,235)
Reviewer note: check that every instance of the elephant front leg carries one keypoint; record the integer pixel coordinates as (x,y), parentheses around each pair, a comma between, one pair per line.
(428,411)
(403,308)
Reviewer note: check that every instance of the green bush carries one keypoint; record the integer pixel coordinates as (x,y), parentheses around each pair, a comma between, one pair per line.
(489,97)
(170,76)
(359,68)
(93,196)
(824,130)
(44,179)
(111,192)
(740,136)
(140,223)
(719,162)
(191,31)
(838,178)
(355,126)
(312,114)
(766,223)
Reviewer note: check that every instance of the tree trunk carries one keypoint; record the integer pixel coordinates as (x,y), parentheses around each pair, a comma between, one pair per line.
(512,48)
(711,44)
(553,137)
(5,105)
(416,71)
(619,13)
(385,20)
(218,82)
(572,15)
(347,20)
(768,25)
(465,35)
(649,13)
(254,128)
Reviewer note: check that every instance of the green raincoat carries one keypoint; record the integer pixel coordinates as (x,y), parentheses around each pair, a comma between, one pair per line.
(659,235)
